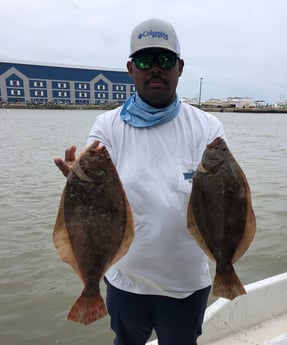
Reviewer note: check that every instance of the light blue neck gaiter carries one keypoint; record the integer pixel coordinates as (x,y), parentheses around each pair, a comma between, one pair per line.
(137,113)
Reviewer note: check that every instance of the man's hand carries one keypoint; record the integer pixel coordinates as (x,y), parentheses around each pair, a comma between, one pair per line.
(70,158)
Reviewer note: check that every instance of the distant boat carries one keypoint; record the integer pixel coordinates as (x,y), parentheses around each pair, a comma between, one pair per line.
(259,317)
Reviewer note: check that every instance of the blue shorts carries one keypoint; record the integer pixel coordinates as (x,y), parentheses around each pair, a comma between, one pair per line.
(175,321)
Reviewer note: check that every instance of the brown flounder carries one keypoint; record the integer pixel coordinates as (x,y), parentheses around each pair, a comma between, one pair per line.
(94,227)
(220,215)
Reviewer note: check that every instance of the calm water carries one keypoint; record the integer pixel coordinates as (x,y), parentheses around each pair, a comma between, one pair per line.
(37,289)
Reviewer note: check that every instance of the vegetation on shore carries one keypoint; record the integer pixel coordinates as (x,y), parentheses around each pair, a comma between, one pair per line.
(58,106)
(246,110)
(281,109)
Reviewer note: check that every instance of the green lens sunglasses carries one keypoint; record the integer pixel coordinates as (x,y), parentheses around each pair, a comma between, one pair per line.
(145,61)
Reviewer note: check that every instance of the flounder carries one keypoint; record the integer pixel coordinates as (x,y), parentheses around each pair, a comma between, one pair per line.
(94,227)
(220,215)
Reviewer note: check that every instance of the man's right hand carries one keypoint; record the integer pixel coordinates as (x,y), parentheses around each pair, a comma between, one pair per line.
(70,158)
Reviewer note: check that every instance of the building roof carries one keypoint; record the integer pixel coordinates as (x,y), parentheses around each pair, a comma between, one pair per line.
(65,72)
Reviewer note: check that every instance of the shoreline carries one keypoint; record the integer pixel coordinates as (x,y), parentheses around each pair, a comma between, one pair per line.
(57,106)
(263,110)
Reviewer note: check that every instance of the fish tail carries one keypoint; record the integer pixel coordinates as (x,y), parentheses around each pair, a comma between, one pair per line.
(87,309)
(227,285)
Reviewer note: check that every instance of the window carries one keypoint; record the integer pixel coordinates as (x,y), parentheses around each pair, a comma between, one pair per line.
(83,94)
(14,83)
(62,94)
(39,93)
(62,85)
(101,95)
(119,88)
(38,84)
(15,92)
(101,87)
(83,87)
(119,96)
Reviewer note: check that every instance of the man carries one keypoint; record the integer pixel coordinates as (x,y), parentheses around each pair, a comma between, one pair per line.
(156,142)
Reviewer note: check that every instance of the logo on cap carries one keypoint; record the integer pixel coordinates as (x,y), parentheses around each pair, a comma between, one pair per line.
(153,34)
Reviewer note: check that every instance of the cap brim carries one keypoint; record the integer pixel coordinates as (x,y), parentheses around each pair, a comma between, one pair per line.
(154,46)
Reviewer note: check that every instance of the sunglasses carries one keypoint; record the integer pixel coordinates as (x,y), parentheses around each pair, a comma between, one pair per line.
(145,61)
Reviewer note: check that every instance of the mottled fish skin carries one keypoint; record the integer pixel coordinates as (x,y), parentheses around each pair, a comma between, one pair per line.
(94,227)
(220,215)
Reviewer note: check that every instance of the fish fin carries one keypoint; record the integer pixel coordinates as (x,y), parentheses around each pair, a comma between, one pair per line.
(87,309)
(62,241)
(227,285)
(195,232)
(250,228)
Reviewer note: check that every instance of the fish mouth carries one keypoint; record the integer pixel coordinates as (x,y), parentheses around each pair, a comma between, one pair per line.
(215,142)
(95,147)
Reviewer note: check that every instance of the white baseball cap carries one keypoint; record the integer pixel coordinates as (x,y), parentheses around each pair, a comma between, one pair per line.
(154,33)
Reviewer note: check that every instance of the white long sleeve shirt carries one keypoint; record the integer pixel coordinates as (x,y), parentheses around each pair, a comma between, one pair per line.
(154,165)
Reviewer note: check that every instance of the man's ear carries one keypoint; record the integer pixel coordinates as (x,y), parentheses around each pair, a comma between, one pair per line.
(180,67)
(130,68)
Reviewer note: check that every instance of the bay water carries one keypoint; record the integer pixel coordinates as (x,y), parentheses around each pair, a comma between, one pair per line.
(36,287)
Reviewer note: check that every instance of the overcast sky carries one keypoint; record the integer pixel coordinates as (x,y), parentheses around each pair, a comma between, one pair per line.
(238,47)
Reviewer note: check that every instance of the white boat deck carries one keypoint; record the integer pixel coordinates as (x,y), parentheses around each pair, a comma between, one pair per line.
(257,318)
(272,331)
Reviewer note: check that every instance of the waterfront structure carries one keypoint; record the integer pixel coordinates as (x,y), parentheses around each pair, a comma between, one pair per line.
(241,102)
(230,102)
(23,82)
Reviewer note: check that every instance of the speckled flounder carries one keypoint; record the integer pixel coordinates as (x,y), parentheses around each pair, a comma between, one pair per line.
(220,215)
(94,227)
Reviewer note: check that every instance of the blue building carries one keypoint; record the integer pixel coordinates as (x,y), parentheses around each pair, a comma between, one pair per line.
(45,83)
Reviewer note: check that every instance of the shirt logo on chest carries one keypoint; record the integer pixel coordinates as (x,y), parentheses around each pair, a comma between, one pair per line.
(187,175)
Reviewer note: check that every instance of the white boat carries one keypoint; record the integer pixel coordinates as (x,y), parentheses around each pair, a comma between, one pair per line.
(257,318)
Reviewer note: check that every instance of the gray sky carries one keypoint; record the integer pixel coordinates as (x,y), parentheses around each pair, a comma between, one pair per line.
(238,47)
